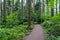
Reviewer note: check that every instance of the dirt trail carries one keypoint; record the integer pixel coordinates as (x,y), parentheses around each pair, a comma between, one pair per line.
(36,34)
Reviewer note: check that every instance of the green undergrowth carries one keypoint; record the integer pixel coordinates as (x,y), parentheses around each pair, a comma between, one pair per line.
(52,27)
(15,33)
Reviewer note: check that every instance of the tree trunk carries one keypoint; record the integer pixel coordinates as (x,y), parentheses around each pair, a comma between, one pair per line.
(59,6)
(19,9)
(29,12)
(19,5)
(43,7)
(22,7)
(4,14)
(40,10)
(47,6)
(1,9)
(12,5)
(52,12)
(56,7)
(9,7)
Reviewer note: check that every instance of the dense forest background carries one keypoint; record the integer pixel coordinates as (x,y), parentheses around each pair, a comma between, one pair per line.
(17,18)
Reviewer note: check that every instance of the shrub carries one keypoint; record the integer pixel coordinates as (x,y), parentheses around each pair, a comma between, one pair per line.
(52,26)
(12,19)
(15,33)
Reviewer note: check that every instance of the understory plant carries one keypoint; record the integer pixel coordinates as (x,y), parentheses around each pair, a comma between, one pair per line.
(52,26)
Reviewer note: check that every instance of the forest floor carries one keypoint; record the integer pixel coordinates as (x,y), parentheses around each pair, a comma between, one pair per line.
(36,34)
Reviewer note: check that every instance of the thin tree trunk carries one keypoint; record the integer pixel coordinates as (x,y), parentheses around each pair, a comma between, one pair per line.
(40,7)
(12,5)
(56,7)
(22,2)
(4,14)
(22,7)
(40,10)
(8,6)
(1,9)
(19,5)
(47,6)
(59,6)
(19,14)
(43,6)
(52,12)
(29,12)
(52,9)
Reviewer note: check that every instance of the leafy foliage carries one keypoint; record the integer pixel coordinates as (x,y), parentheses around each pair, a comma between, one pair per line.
(52,26)
(15,33)
(12,19)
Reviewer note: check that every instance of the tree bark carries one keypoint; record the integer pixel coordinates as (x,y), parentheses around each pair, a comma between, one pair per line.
(1,9)
(29,12)
(56,7)
(4,14)
(19,5)
(43,6)
(59,6)
(40,10)
(9,7)
(52,12)
(47,6)
(12,5)
(22,7)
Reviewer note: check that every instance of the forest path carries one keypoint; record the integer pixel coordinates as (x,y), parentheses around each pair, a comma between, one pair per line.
(36,34)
